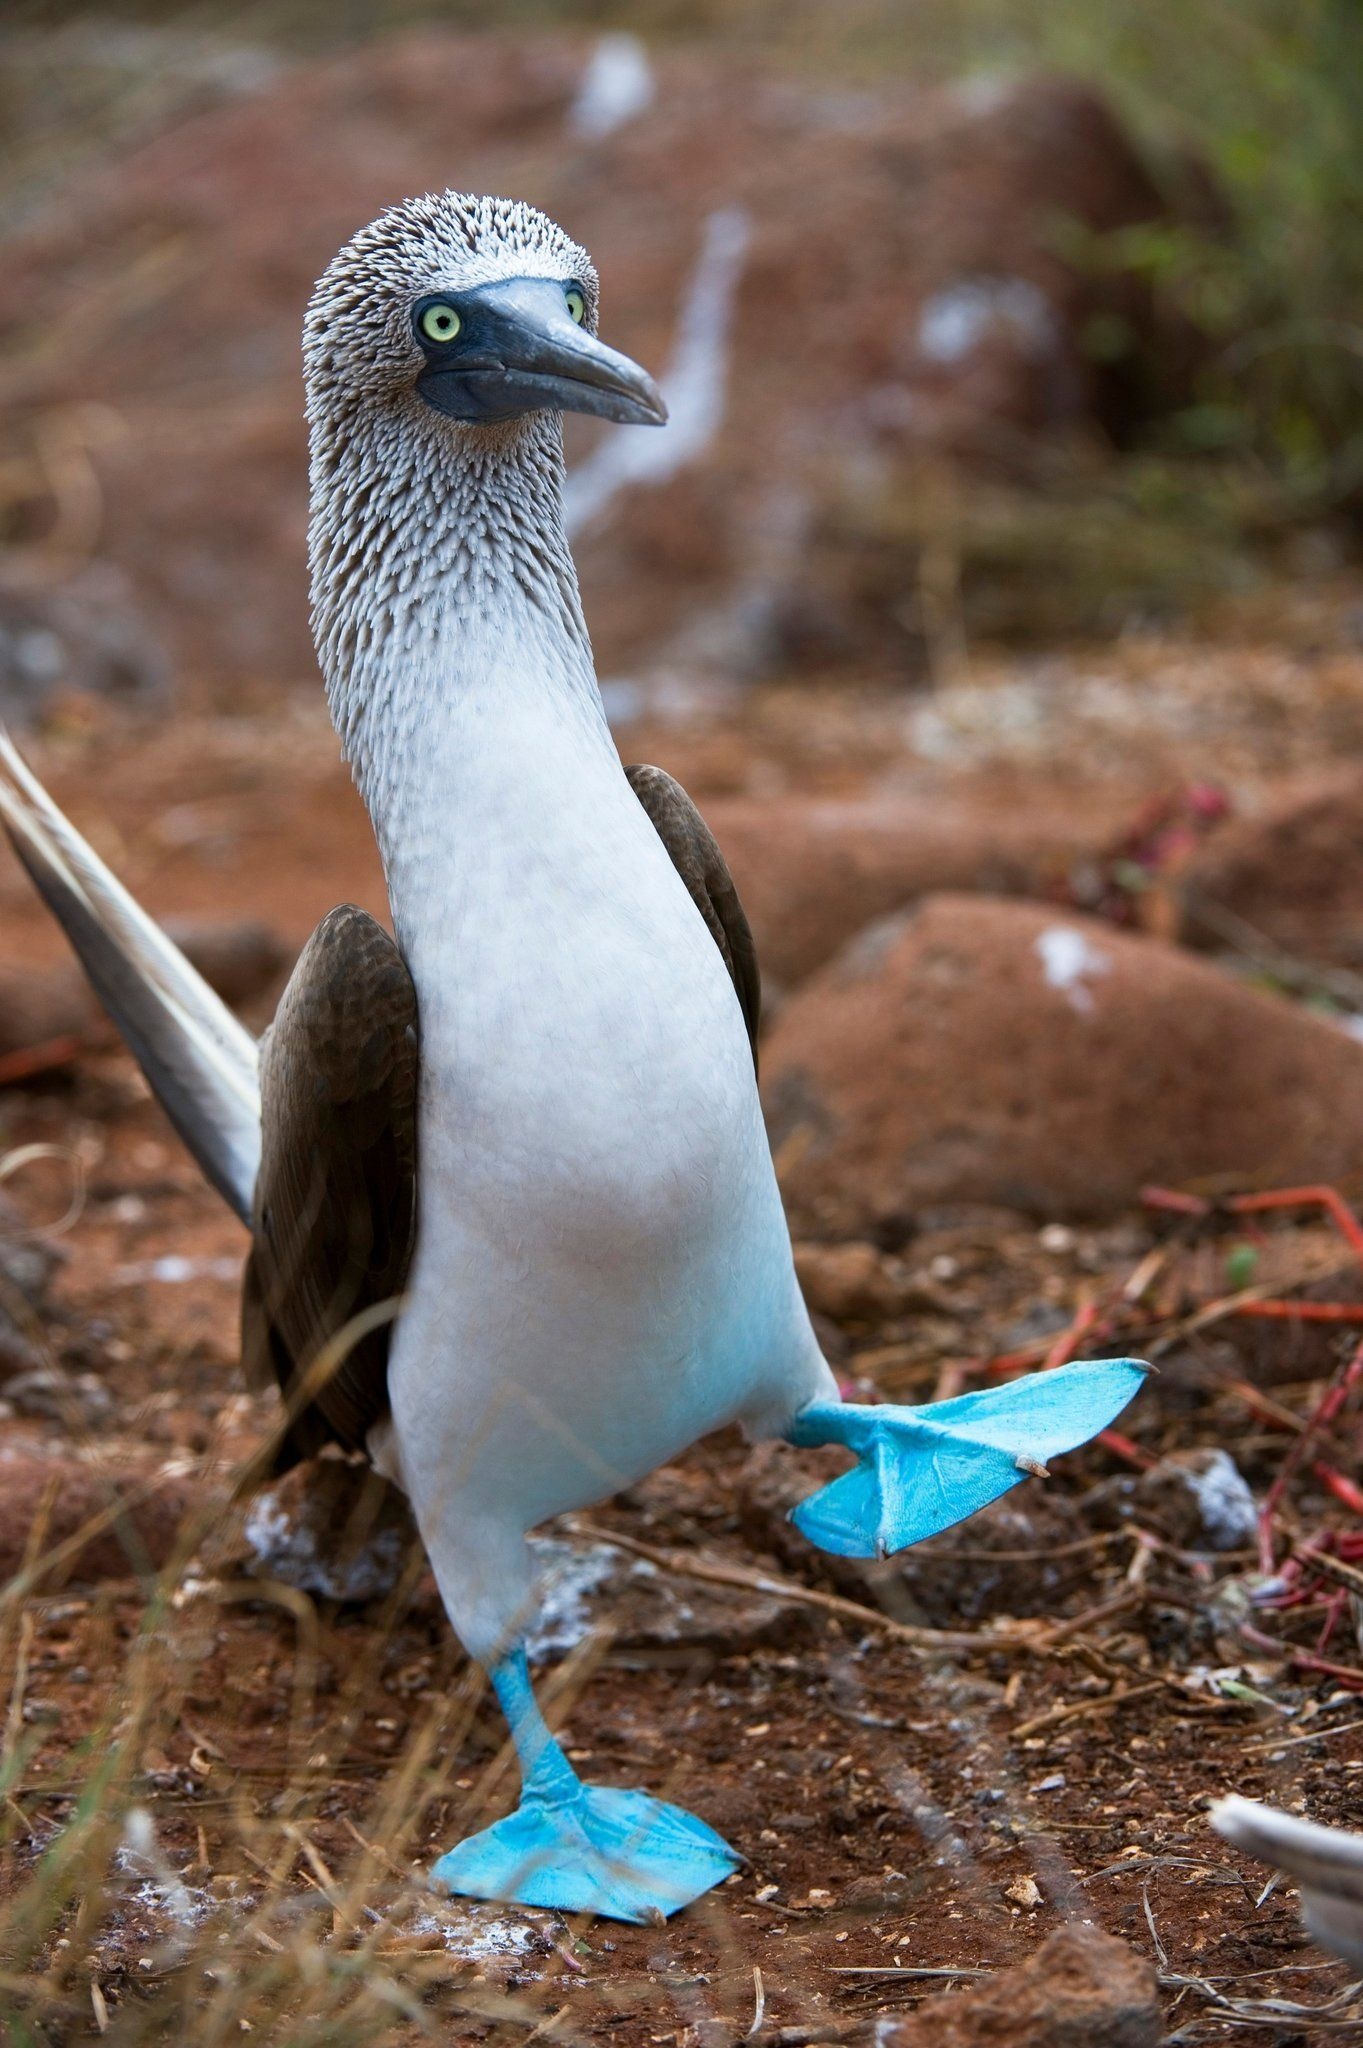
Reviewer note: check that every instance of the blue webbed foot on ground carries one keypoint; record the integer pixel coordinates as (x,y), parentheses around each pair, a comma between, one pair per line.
(919,1470)
(581,1848)
(621,1854)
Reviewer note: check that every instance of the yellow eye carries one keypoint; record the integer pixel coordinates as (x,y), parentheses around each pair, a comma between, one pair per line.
(440,323)
(577,304)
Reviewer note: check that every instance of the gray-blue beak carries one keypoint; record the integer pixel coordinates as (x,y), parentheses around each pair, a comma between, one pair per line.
(519,350)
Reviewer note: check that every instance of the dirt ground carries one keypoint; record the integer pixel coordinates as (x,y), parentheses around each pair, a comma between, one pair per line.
(928,1765)
(905,629)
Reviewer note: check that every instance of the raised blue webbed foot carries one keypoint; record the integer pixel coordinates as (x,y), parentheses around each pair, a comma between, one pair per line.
(919,1470)
(581,1848)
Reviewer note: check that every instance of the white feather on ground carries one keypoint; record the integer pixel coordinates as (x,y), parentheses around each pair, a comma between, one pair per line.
(694,384)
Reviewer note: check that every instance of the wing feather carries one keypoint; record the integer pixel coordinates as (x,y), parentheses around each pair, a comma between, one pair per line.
(694,853)
(335,1207)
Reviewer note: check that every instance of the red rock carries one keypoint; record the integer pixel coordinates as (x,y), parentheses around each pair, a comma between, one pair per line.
(136,1525)
(1082,1989)
(980,1051)
(331,1526)
(1292,872)
(240,958)
(813,871)
(1196,1498)
(38,1004)
(948,313)
(849,1282)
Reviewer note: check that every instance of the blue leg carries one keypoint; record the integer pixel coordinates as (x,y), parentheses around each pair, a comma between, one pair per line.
(581,1848)
(919,1470)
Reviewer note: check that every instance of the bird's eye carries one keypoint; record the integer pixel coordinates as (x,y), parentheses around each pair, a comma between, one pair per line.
(577,304)
(439,323)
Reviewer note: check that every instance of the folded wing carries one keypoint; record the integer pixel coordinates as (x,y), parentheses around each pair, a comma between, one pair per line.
(694,853)
(335,1200)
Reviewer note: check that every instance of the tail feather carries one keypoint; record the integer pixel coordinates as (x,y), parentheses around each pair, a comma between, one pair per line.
(1327,1863)
(201,1063)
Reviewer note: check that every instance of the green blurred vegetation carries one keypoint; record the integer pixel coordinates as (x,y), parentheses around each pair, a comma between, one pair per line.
(1269,95)
(1265,96)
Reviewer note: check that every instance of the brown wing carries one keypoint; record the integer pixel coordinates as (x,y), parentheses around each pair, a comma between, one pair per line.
(695,855)
(335,1202)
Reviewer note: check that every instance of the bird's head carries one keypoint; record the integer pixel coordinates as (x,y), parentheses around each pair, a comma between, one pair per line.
(481,311)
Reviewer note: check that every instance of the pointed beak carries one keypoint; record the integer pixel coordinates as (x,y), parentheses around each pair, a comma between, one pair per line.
(519,350)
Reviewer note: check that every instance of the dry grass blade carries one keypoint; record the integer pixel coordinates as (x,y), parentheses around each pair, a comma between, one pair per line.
(1337,2014)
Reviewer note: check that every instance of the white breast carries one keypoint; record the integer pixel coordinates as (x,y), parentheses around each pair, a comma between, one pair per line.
(604,1271)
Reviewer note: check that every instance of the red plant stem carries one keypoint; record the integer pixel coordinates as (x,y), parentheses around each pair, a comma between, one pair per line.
(31,1060)
(1323,1197)
(1327,1198)
(1175,1201)
(1324,1413)
(1347,1675)
(1303,1311)
(1093,1319)
(1123,1447)
(1261,1406)
(1067,1343)
(1004,1364)
(1335,1609)
(1303,1660)
(1341,1487)
(1178,1204)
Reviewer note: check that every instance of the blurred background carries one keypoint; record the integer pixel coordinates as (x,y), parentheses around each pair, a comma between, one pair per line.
(997,591)
(1005,538)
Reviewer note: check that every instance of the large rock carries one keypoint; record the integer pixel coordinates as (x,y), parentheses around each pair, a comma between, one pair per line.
(332,1527)
(914,291)
(979,1051)
(812,871)
(240,958)
(1290,873)
(1082,1989)
(75,1520)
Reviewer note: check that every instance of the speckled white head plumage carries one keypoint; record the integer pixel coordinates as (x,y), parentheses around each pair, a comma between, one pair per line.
(411,510)
(357,336)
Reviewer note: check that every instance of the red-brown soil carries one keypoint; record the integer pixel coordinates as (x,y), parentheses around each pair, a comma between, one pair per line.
(939,1768)
(928,1805)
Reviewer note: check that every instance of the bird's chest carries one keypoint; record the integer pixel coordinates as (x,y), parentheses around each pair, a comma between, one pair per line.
(586,1073)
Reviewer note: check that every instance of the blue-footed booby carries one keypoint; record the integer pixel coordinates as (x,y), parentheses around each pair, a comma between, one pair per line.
(515,1225)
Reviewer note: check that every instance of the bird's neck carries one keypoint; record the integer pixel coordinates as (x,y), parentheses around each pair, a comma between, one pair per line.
(447,618)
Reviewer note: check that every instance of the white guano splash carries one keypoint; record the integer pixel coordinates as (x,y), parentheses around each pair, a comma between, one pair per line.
(568,1576)
(617,86)
(1069,962)
(956,320)
(694,383)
